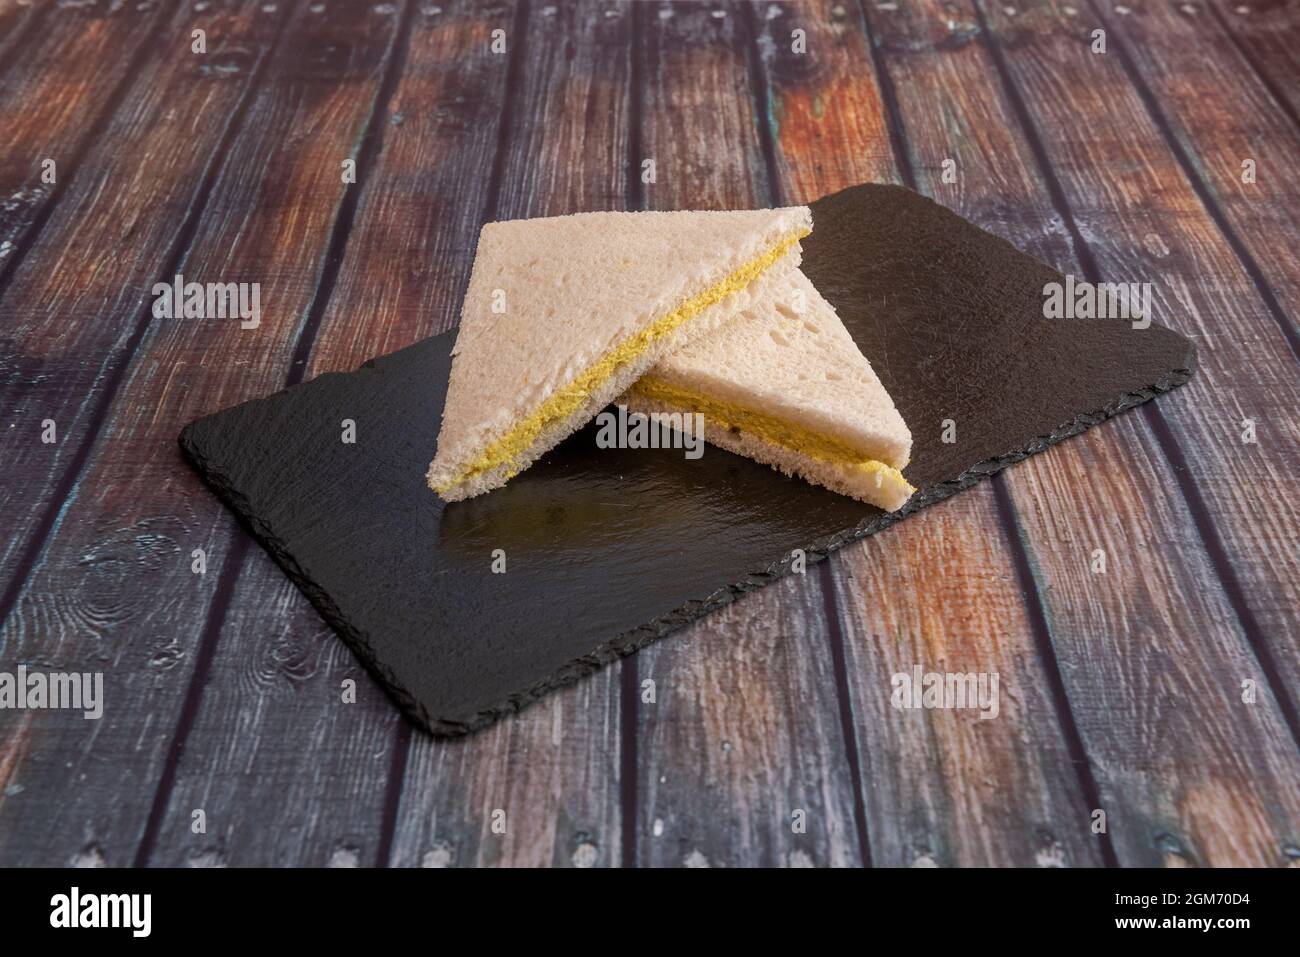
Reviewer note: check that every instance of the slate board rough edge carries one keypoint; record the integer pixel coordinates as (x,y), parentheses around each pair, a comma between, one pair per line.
(631,642)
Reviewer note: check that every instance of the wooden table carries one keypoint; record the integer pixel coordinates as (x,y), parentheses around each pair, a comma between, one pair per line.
(1161,690)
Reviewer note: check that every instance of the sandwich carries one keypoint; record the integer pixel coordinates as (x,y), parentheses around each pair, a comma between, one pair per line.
(784,383)
(563,314)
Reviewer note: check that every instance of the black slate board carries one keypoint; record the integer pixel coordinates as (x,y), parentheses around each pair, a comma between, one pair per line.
(608,550)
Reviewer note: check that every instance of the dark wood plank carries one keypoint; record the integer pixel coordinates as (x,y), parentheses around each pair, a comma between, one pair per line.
(949,788)
(743,746)
(552,771)
(113,589)
(953,602)
(826,113)
(1220,114)
(17,19)
(524,776)
(745,729)
(1188,772)
(698,122)
(71,314)
(288,772)
(402,275)
(1269,34)
(58,81)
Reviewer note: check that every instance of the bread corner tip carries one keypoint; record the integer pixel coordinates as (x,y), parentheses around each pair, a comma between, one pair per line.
(452,493)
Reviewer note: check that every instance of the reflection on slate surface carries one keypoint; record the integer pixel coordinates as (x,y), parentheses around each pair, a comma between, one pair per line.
(608,549)
(584,499)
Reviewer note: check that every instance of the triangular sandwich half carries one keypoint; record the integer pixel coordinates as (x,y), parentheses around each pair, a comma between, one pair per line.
(785,384)
(563,314)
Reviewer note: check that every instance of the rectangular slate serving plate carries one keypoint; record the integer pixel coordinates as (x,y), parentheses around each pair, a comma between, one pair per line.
(607,550)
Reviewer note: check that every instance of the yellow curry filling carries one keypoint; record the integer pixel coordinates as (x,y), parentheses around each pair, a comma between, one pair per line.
(569,398)
(770,429)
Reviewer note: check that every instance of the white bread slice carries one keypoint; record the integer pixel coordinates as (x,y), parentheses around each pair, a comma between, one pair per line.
(785,384)
(586,304)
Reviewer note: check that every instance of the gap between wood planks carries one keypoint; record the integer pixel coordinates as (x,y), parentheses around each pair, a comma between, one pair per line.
(207,168)
(435,69)
(1029,57)
(1005,508)
(1007,512)
(1173,453)
(1037,621)
(697,66)
(23,239)
(629,672)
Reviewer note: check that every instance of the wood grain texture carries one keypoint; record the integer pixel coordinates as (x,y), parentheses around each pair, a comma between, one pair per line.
(17,19)
(940,787)
(59,81)
(947,787)
(553,770)
(1268,32)
(288,772)
(509,796)
(697,110)
(1129,197)
(739,745)
(113,589)
(741,735)
(1221,115)
(1140,645)
(73,310)
(826,113)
